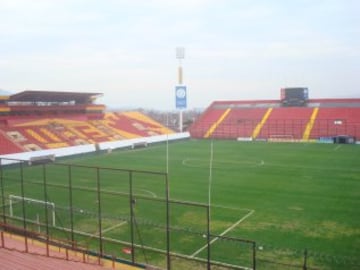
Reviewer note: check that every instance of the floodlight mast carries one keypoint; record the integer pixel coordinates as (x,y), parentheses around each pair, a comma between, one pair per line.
(180,54)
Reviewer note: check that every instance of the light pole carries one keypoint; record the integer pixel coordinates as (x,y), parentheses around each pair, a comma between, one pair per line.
(180,89)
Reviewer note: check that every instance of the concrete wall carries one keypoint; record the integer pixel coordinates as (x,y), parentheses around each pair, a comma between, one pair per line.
(83,149)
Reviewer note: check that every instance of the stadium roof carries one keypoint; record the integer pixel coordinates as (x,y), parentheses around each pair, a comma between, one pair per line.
(53,96)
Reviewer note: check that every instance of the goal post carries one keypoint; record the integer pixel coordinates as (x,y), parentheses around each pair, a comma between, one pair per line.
(14,200)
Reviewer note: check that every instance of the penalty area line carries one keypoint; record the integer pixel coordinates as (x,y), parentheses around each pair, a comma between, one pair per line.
(149,192)
(232,208)
(223,233)
(113,227)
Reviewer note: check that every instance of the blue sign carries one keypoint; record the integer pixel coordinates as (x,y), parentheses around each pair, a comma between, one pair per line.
(180,97)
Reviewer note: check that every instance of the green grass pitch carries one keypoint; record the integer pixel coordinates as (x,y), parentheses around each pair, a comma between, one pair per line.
(285,196)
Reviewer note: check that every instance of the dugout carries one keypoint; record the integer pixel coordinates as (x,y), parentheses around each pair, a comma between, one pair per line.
(344,139)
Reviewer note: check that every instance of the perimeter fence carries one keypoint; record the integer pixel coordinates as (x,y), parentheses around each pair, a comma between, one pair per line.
(127,215)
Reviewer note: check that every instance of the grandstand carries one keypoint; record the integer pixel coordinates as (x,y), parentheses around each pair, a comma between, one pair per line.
(318,119)
(39,120)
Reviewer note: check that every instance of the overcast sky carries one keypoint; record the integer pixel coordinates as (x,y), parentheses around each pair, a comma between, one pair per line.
(234,49)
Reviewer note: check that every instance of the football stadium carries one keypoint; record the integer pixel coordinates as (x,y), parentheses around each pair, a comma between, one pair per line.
(260,184)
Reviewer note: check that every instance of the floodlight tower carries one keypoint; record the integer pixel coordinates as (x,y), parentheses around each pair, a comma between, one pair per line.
(180,54)
(180,89)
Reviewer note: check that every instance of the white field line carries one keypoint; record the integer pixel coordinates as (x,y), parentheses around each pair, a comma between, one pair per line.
(140,194)
(223,233)
(188,162)
(313,167)
(113,227)
(149,192)
(337,147)
(231,208)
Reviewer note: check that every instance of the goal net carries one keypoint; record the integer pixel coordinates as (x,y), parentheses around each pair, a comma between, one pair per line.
(35,209)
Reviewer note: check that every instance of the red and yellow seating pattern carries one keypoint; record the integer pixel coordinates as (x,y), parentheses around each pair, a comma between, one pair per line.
(47,133)
(268,119)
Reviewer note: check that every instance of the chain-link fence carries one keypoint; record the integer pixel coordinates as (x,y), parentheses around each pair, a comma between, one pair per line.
(115,213)
(127,215)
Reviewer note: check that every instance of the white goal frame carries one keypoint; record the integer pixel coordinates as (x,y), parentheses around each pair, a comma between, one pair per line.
(12,198)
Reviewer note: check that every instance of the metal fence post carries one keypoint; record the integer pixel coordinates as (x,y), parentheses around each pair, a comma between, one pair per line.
(208,237)
(131,202)
(2,239)
(99,211)
(305,259)
(167,222)
(46,208)
(254,255)
(2,193)
(23,206)
(71,207)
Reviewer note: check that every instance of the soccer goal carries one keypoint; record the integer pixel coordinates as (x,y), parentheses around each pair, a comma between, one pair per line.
(34,209)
